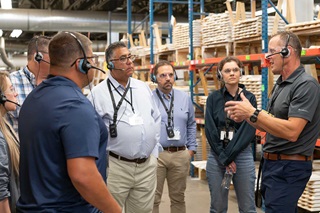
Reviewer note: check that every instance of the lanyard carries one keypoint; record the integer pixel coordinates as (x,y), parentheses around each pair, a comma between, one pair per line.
(275,93)
(28,77)
(130,103)
(116,108)
(227,120)
(169,111)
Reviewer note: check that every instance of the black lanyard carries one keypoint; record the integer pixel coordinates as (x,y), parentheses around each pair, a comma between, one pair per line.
(116,108)
(169,111)
(228,120)
(275,93)
(28,77)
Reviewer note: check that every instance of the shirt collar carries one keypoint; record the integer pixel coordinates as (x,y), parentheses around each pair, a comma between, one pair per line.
(163,95)
(292,77)
(61,81)
(29,74)
(224,89)
(117,85)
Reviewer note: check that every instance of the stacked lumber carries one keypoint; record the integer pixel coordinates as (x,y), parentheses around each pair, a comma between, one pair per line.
(216,28)
(181,35)
(304,27)
(310,198)
(253,84)
(252,27)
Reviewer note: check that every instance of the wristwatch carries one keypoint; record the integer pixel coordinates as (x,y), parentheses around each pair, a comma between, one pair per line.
(254,117)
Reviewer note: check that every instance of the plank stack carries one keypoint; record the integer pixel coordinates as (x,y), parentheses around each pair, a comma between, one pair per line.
(181,35)
(310,198)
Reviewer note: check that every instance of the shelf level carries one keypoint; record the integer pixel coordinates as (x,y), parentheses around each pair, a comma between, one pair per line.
(312,52)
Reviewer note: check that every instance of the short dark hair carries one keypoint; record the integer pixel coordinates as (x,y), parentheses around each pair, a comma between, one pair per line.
(294,41)
(229,59)
(64,49)
(160,64)
(38,42)
(112,47)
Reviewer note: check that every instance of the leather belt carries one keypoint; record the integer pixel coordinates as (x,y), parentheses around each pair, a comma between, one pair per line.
(174,148)
(137,160)
(275,156)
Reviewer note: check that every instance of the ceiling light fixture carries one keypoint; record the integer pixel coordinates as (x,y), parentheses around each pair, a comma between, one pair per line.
(16,33)
(6,4)
(1,33)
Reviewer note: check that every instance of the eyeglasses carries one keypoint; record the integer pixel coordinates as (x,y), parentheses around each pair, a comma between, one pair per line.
(228,71)
(11,90)
(272,51)
(164,75)
(95,57)
(123,59)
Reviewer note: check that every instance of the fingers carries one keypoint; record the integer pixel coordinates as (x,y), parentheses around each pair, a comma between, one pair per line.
(230,103)
(243,97)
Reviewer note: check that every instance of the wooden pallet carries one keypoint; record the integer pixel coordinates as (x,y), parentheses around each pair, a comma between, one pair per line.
(310,198)
(304,26)
(217,50)
(247,46)
(183,54)
(168,55)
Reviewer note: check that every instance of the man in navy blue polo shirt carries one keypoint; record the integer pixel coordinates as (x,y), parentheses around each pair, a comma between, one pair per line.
(292,123)
(63,139)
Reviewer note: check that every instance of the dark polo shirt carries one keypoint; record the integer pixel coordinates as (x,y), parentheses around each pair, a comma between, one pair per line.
(298,96)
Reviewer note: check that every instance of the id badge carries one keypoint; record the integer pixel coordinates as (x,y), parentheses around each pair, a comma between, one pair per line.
(135,120)
(231,134)
(176,137)
(222,135)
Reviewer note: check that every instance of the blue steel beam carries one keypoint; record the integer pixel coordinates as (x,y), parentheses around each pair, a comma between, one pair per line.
(190,18)
(151,31)
(264,70)
(170,13)
(129,13)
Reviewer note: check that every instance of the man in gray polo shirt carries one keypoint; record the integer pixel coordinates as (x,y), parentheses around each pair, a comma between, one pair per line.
(292,123)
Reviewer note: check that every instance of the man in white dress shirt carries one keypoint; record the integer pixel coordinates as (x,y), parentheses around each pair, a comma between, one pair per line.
(129,112)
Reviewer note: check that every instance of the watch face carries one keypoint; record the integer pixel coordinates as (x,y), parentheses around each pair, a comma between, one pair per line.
(253,118)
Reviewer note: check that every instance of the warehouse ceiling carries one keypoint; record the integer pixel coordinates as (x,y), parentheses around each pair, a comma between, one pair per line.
(102,8)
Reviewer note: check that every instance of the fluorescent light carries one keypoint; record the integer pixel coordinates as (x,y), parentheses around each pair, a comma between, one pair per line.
(1,32)
(6,4)
(16,33)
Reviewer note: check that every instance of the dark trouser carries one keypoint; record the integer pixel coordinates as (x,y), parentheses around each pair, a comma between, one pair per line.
(283,182)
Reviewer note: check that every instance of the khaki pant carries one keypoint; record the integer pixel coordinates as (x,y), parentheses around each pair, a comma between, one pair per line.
(173,166)
(133,185)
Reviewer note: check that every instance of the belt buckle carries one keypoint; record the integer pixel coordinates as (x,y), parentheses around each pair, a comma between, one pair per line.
(279,156)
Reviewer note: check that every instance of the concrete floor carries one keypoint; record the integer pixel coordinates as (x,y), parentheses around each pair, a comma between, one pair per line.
(198,198)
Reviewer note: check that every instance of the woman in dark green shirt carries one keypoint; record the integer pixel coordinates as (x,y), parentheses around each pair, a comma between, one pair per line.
(230,142)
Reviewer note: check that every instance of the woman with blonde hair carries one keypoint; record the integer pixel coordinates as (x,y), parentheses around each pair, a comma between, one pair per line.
(9,148)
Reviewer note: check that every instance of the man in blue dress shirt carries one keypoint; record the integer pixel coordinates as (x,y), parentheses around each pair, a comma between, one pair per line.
(178,137)
(129,112)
